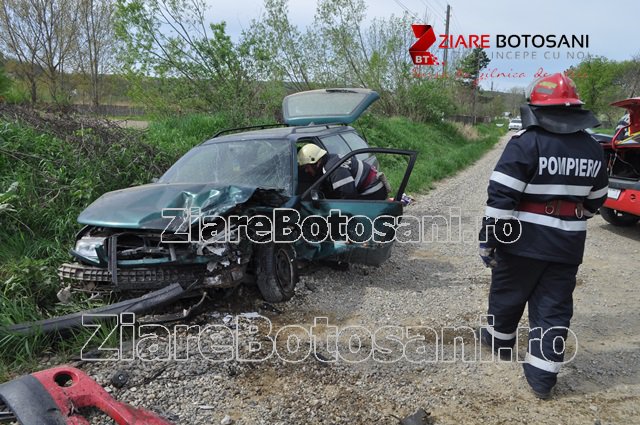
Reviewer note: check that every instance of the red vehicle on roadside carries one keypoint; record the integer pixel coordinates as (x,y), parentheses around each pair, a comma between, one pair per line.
(622,154)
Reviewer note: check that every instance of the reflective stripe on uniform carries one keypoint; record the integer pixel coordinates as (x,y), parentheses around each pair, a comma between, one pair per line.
(545,365)
(342,182)
(508,181)
(545,220)
(500,335)
(498,213)
(358,178)
(557,189)
(373,188)
(598,193)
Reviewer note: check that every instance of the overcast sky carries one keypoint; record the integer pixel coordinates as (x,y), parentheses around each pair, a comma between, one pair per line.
(610,24)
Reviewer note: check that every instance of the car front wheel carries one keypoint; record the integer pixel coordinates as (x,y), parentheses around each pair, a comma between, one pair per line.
(276,271)
(618,218)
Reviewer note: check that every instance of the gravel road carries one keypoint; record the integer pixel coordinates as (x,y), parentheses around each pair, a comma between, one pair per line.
(435,285)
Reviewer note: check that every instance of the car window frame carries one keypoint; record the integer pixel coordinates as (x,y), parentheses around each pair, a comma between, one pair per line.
(337,135)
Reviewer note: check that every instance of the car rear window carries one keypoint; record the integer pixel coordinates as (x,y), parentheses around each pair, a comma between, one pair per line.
(335,144)
(356,142)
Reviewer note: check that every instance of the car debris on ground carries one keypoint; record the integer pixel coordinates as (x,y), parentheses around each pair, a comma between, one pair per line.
(57,396)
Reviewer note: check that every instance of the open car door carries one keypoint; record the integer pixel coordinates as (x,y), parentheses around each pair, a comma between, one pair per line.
(327,106)
(369,234)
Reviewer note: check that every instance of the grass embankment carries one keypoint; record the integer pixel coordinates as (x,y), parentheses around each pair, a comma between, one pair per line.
(443,148)
(50,169)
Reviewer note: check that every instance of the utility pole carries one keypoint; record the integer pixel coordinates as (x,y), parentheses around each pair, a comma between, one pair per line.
(446,51)
(475,88)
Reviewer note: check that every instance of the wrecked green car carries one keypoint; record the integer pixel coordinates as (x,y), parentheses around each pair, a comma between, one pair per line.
(202,224)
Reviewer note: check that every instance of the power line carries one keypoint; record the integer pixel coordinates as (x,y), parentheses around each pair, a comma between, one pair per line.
(413,15)
(434,10)
(454,19)
(456,22)
(442,5)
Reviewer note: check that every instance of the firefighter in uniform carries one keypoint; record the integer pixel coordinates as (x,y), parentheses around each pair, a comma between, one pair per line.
(353,179)
(550,178)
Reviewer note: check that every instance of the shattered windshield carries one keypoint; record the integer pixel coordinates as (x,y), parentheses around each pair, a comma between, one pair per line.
(252,163)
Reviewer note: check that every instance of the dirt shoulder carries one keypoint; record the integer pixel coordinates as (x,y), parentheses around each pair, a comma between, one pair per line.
(433,285)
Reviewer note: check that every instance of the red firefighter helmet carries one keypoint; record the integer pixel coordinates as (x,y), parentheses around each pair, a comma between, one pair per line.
(556,89)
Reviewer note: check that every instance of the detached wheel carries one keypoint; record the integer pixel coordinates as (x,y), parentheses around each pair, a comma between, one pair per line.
(277,271)
(618,218)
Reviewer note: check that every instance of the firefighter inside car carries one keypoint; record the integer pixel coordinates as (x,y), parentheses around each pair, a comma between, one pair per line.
(354,179)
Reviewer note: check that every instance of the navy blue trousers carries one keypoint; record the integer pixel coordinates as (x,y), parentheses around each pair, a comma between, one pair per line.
(548,288)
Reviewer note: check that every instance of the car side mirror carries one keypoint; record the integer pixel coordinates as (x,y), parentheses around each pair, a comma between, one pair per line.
(154,180)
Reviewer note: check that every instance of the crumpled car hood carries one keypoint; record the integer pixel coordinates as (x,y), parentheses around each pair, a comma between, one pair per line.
(140,207)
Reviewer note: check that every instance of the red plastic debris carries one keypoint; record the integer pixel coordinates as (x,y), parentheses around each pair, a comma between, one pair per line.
(72,389)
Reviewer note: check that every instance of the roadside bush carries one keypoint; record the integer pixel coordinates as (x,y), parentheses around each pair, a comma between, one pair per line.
(45,181)
(427,101)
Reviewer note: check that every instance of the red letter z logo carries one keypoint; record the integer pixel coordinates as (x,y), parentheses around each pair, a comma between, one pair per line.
(426,37)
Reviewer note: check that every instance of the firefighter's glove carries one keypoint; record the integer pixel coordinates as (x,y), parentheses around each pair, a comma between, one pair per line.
(488,255)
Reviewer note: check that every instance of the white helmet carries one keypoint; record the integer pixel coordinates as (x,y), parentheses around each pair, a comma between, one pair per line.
(310,154)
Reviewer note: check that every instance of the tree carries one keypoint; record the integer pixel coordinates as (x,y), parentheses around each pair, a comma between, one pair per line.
(41,36)
(22,40)
(471,65)
(516,98)
(58,22)
(599,83)
(195,65)
(96,40)
(630,76)
(340,26)
(469,70)
(280,46)
(374,56)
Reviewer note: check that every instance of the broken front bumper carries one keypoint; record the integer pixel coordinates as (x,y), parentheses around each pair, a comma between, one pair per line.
(91,279)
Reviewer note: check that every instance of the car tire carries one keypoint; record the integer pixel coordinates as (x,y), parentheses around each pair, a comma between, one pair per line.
(618,218)
(276,271)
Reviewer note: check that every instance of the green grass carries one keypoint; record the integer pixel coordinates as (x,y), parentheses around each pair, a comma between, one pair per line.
(442,149)
(604,130)
(52,181)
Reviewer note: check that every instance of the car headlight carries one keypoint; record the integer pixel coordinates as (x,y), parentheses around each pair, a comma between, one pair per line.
(86,246)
